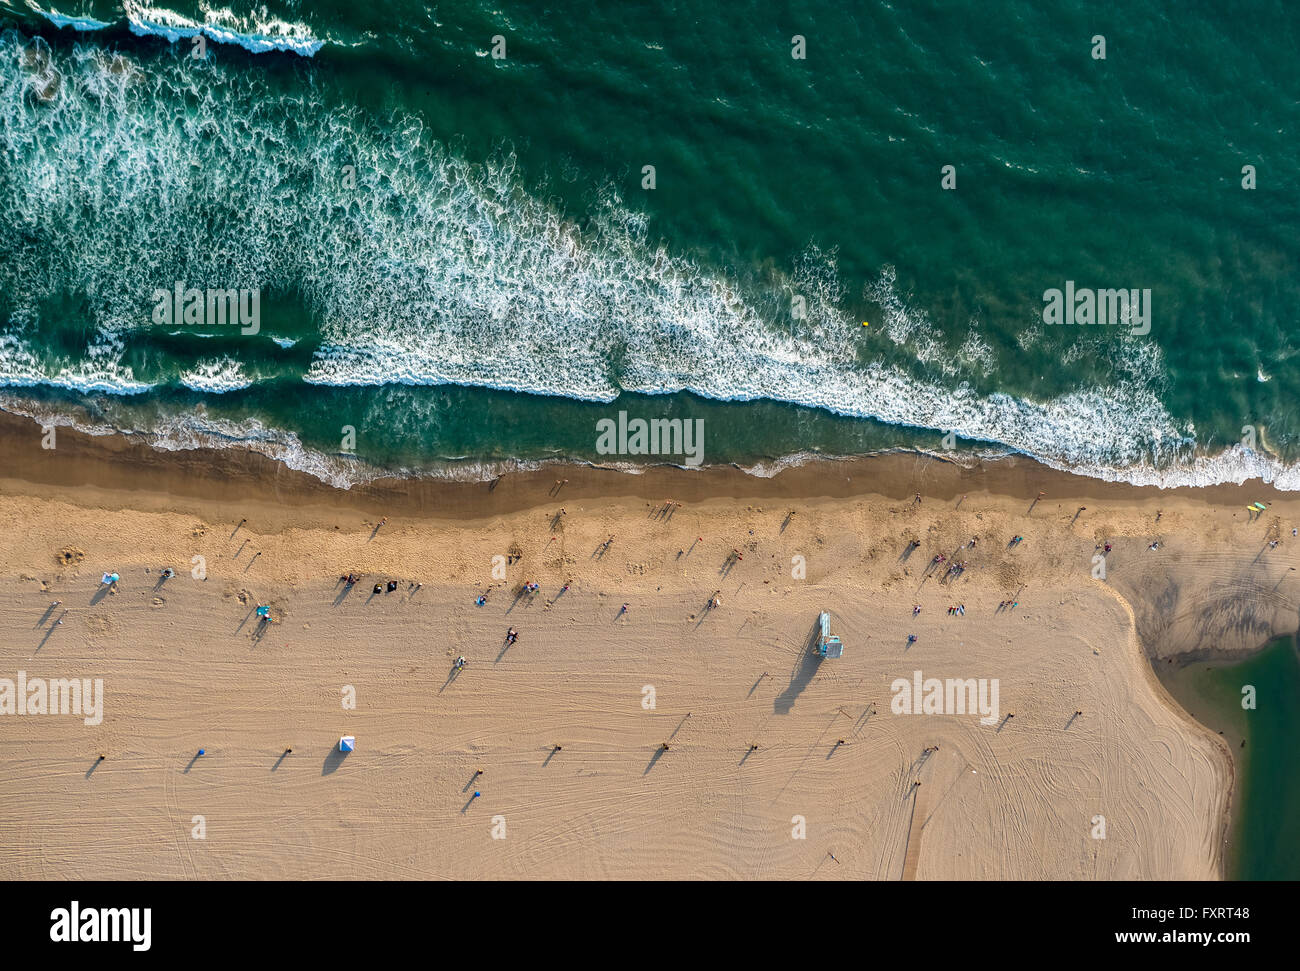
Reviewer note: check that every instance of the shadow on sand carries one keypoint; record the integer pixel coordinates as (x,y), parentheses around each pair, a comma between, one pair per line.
(659,753)
(333,760)
(807,665)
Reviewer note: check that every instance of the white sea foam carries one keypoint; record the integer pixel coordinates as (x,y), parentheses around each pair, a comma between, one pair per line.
(216,376)
(256,32)
(99,371)
(62,20)
(435,270)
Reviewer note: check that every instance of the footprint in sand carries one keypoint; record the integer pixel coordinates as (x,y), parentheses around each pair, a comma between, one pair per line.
(69,556)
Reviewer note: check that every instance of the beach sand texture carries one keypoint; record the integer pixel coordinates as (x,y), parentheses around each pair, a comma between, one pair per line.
(186,665)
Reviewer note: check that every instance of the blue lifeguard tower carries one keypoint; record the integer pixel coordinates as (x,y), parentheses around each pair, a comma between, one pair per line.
(828,644)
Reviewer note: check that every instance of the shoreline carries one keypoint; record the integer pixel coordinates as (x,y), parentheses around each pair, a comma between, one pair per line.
(96,470)
(118,461)
(111,473)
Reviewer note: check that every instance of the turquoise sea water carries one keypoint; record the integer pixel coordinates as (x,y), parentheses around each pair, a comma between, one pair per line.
(456,256)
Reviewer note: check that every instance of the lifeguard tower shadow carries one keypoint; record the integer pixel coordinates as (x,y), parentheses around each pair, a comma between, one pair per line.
(806,666)
(333,761)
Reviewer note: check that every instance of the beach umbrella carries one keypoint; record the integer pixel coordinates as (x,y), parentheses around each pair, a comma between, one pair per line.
(347,743)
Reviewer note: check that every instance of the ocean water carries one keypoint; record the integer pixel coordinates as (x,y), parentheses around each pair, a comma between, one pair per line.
(459,264)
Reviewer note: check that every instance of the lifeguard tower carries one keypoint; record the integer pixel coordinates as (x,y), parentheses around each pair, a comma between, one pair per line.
(828,645)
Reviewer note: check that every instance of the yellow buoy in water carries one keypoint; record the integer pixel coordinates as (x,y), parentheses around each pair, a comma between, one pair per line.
(866,323)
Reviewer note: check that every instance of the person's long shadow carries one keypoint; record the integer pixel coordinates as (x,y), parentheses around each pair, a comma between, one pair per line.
(49,611)
(550,755)
(283,755)
(47,636)
(343,594)
(704,612)
(809,662)
(93,766)
(659,753)
(505,646)
(101,593)
(519,595)
(245,620)
(450,678)
(187,768)
(333,760)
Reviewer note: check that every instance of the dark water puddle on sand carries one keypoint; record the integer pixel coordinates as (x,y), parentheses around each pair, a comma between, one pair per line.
(1264,838)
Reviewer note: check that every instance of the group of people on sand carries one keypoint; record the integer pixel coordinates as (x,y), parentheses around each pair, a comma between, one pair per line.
(960,609)
(352,579)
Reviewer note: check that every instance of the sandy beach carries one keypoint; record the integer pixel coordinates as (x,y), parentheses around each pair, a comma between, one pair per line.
(569,724)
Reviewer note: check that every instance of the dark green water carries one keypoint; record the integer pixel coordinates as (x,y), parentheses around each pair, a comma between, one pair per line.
(456,256)
(1265,837)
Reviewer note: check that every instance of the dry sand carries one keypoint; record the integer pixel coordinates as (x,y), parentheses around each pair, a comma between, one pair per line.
(186,666)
